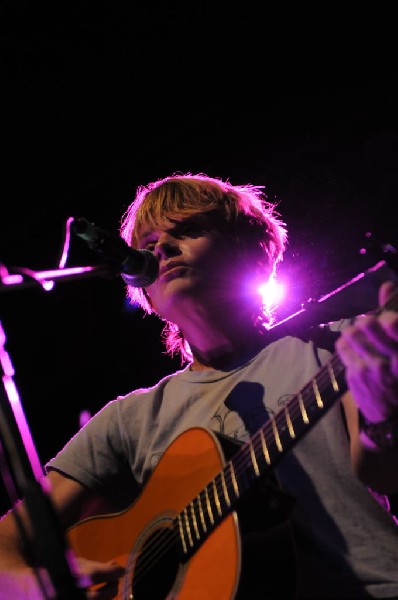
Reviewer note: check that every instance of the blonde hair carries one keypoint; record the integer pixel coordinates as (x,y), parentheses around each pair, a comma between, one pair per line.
(242,212)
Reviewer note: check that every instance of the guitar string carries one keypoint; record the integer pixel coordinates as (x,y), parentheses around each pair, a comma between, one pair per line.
(160,544)
(240,465)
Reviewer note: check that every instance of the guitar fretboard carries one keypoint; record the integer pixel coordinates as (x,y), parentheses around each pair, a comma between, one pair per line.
(259,455)
(262,452)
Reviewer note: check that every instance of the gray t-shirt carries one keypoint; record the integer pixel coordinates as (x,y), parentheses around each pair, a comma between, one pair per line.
(347,544)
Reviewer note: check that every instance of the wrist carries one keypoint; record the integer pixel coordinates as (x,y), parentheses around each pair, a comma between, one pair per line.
(383,434)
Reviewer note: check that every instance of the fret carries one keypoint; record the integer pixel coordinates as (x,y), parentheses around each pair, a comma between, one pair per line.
(233,478)
(182,536)
(244,468)
(187,527)
(276,435)
(289,422)
(253,459)
(195,524)
(209,511)
(225,490)
(317,394)
(333,379)
(201,515)
(264,447)
(302,409)
(216,499)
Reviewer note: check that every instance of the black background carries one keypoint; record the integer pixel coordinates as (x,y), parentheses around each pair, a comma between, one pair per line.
(100,97)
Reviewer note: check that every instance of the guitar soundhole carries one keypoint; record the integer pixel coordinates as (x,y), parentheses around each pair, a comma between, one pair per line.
(156,567)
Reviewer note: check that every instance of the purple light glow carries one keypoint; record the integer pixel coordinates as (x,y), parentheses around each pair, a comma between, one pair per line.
(272,293)
(19,414)
(12,279)
(84,418)
(65,247)
(16,406)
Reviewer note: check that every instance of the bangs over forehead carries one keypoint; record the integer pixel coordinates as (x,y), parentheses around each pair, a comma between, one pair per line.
(174,198)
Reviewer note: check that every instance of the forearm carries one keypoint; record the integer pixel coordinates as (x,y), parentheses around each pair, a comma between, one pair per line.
(17,580)
(12,555)
(22,585)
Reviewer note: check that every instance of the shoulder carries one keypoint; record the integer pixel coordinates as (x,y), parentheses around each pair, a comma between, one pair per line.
(151,391)
(146,397)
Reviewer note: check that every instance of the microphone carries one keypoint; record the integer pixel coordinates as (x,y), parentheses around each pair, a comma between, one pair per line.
(138,268)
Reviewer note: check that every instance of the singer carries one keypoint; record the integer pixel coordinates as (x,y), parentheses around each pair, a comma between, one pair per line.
(303,507)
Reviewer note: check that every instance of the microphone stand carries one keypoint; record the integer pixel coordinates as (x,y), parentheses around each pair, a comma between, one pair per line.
(22,472)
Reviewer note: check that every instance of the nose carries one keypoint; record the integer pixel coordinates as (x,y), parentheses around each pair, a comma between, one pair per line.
(166,246)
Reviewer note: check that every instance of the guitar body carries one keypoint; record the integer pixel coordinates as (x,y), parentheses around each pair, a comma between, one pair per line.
(212,573)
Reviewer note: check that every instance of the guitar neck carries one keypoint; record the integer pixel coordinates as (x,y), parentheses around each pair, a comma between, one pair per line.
(263,451)
(259,455)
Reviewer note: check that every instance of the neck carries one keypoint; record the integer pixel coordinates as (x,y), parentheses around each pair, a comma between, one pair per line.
(221,335)
(228,355)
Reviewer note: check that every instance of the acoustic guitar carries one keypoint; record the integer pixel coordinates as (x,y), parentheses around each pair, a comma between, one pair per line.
(181,538)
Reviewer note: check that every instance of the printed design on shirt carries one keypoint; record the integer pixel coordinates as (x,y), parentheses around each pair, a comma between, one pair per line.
(284,399)
(245,401)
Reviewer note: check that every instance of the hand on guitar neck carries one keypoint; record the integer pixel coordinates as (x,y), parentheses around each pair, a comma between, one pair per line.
(371,370)
(369,351)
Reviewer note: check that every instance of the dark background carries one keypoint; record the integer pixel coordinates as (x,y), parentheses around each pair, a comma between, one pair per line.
(100,97)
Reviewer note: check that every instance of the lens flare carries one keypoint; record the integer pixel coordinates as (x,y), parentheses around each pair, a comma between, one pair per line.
(272,293)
